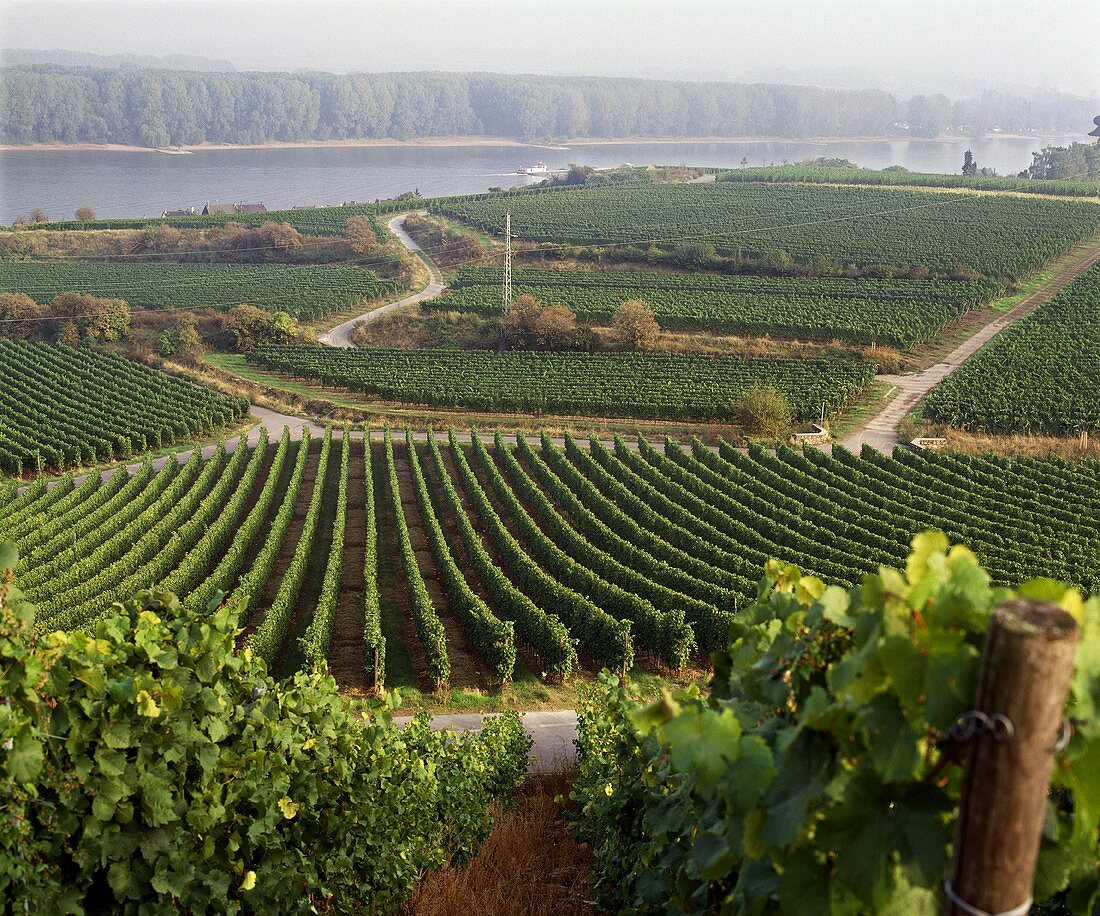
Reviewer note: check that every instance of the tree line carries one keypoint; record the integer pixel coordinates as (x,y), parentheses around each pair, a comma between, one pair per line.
(157,108)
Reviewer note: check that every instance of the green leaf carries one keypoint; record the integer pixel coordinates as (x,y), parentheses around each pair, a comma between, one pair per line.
(24,761)
(9,556)
(713,855)
(893,743)
(925,546)
(116,734)
(804,885)
(951,678)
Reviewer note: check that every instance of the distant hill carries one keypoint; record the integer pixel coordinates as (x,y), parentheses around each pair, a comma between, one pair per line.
(13,57)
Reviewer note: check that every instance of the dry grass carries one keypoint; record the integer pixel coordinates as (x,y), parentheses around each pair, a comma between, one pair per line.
(1023,446)
(529,865)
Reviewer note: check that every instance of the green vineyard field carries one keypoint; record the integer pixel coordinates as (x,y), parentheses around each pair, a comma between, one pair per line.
(1040,376)
(568,553)
(61,407)
(826,175)
(611,384)
(896,312)
(304,291)
(998,236)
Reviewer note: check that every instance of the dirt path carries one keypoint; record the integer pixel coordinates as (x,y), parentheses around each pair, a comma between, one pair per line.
(340,336)
(347,650)
(465,665)
(881,430)
(289,545)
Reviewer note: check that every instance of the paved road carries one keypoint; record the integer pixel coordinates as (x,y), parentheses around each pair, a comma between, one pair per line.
(552,735)
(340,336)
(882,430)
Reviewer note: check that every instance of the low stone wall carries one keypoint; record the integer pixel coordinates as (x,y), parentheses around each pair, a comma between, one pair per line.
(818,436)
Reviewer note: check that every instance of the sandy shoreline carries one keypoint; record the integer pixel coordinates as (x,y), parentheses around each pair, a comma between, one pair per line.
(490,142)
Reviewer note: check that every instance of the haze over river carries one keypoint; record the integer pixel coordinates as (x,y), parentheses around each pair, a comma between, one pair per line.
(126,183)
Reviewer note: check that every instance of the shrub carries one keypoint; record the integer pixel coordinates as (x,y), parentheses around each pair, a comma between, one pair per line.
(149,767)
(533,326)
(819,775)
(633,325)
(765,411)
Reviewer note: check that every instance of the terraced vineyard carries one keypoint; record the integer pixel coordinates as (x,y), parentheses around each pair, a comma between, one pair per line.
(609,384)
(1041,375)
(997,236)
(897,312)
(304,291)
(439,561)
(61,407)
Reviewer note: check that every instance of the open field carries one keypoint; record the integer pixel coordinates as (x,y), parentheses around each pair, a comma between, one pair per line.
(1040,376)
(893,312)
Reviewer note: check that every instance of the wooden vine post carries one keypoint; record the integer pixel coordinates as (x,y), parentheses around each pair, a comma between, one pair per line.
(1027,665)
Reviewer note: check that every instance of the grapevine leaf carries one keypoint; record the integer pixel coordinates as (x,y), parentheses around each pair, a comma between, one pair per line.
(951,677)
(892,741)
(804,885)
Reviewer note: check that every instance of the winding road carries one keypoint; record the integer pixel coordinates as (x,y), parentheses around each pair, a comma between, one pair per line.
(340,336)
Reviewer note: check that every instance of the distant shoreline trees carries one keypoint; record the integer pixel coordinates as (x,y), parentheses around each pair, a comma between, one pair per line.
(162,108)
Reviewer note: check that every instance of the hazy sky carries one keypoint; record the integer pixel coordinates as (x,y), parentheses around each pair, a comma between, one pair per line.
(1053,43)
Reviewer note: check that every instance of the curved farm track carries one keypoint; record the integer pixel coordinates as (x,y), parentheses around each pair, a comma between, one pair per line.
(340,336)
(881,431)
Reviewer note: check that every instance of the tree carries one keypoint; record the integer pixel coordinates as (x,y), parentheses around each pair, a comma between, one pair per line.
(360,235)
(85,214)
(18,312)
(23,244)
(695,254)
(162,238)
(92,317)
(38,215)
(556,327)
(531,325)
(633,325)
(250,327)
(67,334)
(281,237)
(187,335)
(765,411)
(970,167)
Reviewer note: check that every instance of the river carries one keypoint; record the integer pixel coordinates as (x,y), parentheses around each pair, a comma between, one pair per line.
(128,183)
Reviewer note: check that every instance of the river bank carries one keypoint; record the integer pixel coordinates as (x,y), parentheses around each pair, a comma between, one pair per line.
(498,142)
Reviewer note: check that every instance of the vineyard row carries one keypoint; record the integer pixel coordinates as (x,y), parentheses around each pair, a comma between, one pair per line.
(500,557)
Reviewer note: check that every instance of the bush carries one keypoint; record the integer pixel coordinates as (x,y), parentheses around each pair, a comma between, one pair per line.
(533,326)
(633,326)
(149,767)
(765,411)
(819,775)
